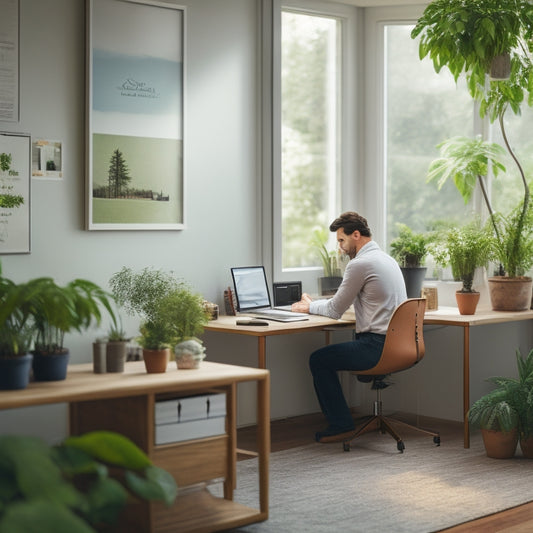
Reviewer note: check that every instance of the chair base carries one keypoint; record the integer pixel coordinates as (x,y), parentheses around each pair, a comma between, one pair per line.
(384,424)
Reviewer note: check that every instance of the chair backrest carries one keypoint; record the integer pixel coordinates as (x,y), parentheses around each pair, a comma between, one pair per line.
(404,342)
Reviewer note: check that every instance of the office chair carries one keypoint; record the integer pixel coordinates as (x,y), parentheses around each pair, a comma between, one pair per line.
(404,347)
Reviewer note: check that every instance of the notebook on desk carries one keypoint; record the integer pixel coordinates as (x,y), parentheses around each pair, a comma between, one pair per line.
(253,297)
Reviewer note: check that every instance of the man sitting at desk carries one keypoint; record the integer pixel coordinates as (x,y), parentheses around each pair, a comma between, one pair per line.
(374,284)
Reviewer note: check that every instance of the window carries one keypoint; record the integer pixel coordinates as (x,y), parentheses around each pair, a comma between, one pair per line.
(422,109)
(310,131)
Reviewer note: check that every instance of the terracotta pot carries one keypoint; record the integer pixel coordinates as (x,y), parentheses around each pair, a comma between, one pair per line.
(499,444)
(526,445)
(156,361)
(510,294)
(467,302)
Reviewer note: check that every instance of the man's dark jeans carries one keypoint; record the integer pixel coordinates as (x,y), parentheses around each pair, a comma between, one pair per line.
(360,354)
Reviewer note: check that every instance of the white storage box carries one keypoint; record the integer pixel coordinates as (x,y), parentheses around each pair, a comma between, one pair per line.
(192,417)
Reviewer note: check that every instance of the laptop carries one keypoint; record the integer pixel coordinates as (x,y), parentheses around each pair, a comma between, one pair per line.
(253,297)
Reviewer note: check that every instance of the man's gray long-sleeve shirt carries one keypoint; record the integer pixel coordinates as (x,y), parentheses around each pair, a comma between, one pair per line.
(374,284)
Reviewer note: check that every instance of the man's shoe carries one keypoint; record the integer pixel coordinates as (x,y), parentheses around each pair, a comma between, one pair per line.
(328,436)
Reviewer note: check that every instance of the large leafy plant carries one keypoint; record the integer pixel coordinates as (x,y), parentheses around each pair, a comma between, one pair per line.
(68,487)
(466,36)
(168,308)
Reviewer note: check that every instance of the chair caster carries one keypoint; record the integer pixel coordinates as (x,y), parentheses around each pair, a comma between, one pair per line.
(401,446)
(346,446)
(436,440)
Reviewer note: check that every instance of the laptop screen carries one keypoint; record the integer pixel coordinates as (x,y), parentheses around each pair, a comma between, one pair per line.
(251,288)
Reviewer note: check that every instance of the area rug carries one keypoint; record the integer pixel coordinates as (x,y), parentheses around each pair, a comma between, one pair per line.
(374,488)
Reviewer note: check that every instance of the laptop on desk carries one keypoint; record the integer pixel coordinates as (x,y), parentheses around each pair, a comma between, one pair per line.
(253,297)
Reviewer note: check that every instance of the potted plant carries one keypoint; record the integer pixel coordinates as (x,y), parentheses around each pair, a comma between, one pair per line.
(71,489)
(520,394)
(410,250)
(466,37)
(464,249)
(62,309)
(168,309)
(17,302)
(331,259)
(116,347)
(498,421)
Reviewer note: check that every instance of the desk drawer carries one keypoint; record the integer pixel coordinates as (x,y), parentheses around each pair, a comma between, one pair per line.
(194,461)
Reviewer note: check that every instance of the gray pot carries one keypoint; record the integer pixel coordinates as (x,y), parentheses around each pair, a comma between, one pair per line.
(414,279)
(99,357)
(116,352)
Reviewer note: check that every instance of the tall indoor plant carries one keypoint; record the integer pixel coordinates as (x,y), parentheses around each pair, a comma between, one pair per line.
(466,37)
(464,249)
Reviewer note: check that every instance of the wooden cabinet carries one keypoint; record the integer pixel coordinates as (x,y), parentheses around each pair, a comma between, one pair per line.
(126,402)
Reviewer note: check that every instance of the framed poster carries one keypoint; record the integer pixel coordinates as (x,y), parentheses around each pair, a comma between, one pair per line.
(15,193)
(135,106)
(47,159)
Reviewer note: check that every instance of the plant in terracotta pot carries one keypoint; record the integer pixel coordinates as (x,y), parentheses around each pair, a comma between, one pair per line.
(464,249)
(63,309)
(410,249)
(520,393)
(494,414)
(168,309)
(466,37)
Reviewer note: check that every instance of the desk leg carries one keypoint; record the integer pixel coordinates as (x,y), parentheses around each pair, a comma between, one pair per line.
(466,384)
(263,441)
(261,352)
(231,406)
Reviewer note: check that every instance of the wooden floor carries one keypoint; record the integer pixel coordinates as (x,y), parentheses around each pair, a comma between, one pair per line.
(299,431)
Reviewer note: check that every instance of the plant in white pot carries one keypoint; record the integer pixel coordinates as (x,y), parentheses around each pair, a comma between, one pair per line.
(466,36)
(464,249)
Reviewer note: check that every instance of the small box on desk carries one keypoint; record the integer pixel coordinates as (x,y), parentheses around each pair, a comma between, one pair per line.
(192,417)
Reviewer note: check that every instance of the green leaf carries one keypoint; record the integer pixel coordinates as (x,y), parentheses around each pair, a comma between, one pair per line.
(157,485)
(41,517)
(112,448)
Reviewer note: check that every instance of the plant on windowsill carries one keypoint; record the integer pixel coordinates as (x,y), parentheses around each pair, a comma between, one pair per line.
(410,250)
(465,37)
(169,311)
(464,249)
(71,489)
(330,282)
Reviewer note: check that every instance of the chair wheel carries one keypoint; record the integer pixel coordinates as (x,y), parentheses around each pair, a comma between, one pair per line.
(346,446)
(401,446)
(436,440)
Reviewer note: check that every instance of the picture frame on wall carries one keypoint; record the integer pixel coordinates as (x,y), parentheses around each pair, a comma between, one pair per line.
(15,193)
(135,115)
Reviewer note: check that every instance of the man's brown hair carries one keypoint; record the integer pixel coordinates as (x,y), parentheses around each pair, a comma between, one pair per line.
(350,222)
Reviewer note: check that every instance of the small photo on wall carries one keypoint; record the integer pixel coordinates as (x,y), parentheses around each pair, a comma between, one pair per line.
(47,159)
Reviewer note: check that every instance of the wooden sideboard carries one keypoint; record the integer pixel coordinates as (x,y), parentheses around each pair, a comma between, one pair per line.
(126,402)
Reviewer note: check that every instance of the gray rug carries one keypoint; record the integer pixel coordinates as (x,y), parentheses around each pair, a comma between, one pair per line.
(373,488)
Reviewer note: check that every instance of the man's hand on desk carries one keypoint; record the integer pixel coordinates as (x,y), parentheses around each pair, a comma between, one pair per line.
(303,305)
